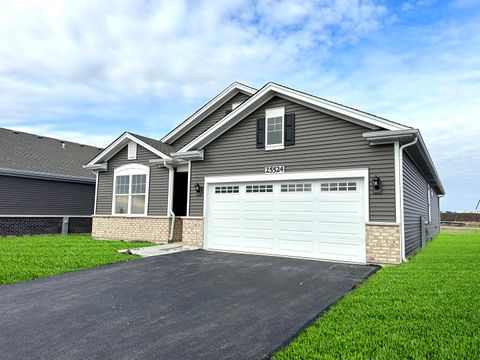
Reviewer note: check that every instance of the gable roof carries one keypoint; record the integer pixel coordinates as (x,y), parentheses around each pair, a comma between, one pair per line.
(272,89)
(206,110)
(25,154)
(156,147)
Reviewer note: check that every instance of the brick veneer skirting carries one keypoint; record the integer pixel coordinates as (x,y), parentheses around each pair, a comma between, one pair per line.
(383,243)
(192,232)
(151,228)
(36,225)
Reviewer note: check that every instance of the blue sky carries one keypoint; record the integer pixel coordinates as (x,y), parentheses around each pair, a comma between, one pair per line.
(87,71)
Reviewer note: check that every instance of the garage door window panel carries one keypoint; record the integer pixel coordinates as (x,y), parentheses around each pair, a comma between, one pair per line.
(227,189)
(338,186)
(259,189)
(285,188)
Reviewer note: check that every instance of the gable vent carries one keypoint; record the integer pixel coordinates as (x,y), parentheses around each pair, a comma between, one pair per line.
(132,150)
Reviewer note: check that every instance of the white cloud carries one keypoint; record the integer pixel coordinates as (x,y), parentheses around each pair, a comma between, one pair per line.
(63,52)
(431,83)
(90,70)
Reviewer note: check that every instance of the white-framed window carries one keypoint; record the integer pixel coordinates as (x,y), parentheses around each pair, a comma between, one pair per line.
(130,190)
(235,105)
(274,128)
(429,201)
(132,150)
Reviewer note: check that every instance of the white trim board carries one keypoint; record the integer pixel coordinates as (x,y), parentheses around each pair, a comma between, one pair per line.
(272,89)
(324,174)
(207,109)
(396,155)
(189,181)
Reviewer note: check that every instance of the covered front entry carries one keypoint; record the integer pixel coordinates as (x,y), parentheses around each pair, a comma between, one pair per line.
(314,218)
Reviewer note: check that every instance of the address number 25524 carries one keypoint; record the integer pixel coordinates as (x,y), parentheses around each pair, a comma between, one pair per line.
(274,169)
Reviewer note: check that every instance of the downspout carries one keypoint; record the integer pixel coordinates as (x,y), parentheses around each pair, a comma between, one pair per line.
(170,195)
(402,227)
(96,191)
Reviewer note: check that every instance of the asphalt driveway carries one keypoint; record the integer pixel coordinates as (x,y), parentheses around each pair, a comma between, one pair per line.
(188,305)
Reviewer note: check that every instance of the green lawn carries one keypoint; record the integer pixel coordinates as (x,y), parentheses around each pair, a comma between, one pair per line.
(32,257)
(428,308)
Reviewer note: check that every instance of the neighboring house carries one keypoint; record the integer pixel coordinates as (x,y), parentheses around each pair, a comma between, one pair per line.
(43,187)
(273,171)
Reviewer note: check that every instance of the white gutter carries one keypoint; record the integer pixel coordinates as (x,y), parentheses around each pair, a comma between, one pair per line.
(170,197)
(402,225)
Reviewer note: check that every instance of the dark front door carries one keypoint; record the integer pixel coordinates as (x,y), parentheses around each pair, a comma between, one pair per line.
(180,190)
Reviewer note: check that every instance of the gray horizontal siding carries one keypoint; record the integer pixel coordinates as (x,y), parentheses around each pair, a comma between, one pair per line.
(322,142)
(415,200)
(28,196)
(209,121)
(158,186)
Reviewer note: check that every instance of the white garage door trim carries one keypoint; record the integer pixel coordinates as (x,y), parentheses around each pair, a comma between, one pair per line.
(318,175)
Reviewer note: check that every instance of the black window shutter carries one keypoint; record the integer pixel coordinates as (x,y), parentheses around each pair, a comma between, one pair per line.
(289,129)
(261,133)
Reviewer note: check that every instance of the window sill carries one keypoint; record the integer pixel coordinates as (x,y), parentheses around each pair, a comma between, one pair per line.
(128,215)
(275,147)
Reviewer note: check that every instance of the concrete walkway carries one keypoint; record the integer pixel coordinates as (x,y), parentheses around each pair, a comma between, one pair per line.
(157,250)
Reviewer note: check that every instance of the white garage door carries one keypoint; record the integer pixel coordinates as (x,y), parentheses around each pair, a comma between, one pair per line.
(308,218)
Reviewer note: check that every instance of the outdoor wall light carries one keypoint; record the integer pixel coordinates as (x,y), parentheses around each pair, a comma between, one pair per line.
(377,183)
(198,188)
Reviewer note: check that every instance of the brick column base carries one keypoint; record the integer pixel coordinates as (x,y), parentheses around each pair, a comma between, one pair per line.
(192,232)
(383,243)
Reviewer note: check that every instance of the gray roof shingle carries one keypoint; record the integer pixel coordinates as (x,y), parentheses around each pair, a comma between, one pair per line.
(40,154)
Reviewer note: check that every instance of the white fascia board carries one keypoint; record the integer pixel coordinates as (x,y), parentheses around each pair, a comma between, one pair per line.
(207,109)
(114,147)
(392,135)
(271,90)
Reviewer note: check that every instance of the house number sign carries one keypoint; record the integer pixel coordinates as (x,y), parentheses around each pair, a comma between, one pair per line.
(275,169)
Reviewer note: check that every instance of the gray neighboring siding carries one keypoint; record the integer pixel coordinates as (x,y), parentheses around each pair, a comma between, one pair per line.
(415,200)
(322,142)
(28,196)
(158,188)
(209,121)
